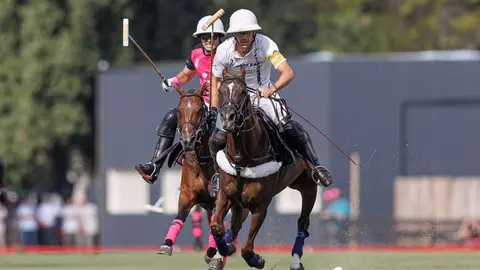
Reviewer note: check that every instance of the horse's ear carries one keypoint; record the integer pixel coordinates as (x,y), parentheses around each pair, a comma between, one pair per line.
(225,73)
(242,71)
(180,90)
(200,91)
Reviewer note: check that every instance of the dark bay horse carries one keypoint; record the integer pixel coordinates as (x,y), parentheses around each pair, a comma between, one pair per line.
(250,175)
(197,169)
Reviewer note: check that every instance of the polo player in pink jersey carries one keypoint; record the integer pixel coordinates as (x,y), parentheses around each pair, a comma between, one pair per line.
(197,64)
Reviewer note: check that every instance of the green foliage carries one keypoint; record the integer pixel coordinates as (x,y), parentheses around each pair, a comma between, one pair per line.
(398,25)
(50,50)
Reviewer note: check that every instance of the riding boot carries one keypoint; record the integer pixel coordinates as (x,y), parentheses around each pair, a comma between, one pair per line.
(166,135)
(301,141)
(319,173)
(217,142)
(150,170)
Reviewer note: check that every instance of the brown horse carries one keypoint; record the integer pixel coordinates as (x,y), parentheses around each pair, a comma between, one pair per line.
(197,169)
(250,175)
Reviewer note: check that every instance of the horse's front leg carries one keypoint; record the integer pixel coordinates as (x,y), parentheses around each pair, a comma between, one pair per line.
(212,247)
(239,215)
(222,205)
(186,201)
(248,254)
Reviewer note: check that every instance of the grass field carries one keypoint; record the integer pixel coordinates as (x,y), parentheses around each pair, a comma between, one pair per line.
(194,261)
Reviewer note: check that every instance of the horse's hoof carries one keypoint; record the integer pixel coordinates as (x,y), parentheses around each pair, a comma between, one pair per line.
(215,264)
(165,250)
(261,263)
(296,266)
(231,249)
(207,259)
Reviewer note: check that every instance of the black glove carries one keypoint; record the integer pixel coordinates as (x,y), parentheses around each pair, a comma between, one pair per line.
(212,116)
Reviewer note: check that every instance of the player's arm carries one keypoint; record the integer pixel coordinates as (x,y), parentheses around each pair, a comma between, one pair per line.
(285,76)
(279,62)
(182,77)
(185,75)
(216,81)
(219,64)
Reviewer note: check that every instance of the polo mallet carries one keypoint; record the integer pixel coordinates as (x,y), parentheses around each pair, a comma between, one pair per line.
(209,22)
(127,36)
(157,207)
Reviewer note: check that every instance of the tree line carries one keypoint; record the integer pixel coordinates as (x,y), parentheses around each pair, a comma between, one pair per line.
(50,50)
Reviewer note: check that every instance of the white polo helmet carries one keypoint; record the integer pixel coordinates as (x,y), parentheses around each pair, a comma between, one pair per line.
(243,20)
(217,27)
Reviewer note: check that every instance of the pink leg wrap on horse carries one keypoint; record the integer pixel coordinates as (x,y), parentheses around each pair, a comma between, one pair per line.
(197,232)
(211,241)
(174,230)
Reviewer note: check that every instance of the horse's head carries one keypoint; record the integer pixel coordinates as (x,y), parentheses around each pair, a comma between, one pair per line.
(191,112)
(234,108)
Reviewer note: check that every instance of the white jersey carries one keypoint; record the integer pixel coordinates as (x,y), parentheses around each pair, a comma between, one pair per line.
(258,62)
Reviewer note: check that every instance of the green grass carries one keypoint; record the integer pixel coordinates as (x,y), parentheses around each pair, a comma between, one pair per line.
(194,261)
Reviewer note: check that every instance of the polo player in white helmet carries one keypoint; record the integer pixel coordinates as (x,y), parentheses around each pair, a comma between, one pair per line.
(258,53)
(198,63)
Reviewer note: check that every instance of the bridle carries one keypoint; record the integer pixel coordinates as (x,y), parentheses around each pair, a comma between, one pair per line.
(200,128)
(241,119)
(239,109)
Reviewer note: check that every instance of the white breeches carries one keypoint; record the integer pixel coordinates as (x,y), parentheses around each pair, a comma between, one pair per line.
(269,106)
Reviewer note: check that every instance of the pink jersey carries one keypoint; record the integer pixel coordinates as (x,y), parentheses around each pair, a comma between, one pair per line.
(200,62)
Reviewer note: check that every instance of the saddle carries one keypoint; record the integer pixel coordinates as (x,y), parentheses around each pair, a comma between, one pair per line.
(281,150)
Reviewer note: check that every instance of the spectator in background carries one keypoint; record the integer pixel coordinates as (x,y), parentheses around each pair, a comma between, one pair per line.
(89,226)
(27,222)
(11,202)
(197,228)
(78,176)
(3,209)
(71,223)
(2,174)
(47,213)
(3,225)
(335,216)
(469,232)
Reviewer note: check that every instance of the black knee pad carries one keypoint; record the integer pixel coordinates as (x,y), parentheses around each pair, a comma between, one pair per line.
(296,133)
(217,141)
(169,124)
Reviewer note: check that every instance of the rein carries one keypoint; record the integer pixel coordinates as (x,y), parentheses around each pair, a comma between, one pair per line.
(239,144)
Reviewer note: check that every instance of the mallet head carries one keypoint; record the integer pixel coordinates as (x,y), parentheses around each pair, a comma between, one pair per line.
(125,32)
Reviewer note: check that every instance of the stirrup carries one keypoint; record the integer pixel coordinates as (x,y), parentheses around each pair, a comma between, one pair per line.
(150,179)
(314,173)
(317,171)
(214,185)
(151,176)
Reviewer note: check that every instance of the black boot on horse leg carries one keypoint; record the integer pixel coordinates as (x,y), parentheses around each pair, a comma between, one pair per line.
(217,142)
(299,139)
(222,205)
(297,250)
(248,254)
(166,135)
